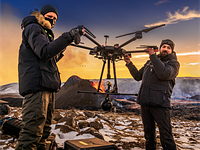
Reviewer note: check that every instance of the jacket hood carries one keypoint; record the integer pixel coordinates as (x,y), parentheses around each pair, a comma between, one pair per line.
(36,17)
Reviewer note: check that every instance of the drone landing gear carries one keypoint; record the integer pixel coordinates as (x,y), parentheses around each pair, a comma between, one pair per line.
(115,89)
(106,105)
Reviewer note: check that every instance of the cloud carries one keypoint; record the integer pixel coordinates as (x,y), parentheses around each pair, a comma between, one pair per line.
(188,53)
(183,15)
(192,64)
(160,2)
(10,40)
(178,54)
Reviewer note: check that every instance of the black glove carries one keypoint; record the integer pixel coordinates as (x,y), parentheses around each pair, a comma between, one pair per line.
(4,109)
(75,35)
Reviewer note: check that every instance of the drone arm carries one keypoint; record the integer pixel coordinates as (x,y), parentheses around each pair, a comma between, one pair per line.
(82,46)
(91,39)
(137,51)
(127,42)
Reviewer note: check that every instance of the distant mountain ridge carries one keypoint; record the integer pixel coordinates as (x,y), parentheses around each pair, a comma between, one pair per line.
(186,87)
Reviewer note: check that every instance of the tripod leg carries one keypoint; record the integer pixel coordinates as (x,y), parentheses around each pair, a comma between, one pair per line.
(115,78)
(104,62)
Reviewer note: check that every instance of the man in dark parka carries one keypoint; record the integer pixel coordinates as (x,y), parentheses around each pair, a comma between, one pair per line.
(158,79)
(39,77)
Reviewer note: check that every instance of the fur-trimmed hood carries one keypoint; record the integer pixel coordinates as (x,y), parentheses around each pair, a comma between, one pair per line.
(36,17)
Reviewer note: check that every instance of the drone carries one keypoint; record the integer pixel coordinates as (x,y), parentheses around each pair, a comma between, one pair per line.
(112,54)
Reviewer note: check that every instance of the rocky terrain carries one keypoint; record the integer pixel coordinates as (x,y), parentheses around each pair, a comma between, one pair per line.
(124,129)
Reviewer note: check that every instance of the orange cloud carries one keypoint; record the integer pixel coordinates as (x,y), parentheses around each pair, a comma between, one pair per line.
(10,39)
(184,15)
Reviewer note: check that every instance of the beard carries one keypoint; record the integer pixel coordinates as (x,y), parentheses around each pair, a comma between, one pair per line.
(163,53)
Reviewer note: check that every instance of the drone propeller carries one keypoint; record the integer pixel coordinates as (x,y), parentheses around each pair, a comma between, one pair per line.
(147,46)
(144,30)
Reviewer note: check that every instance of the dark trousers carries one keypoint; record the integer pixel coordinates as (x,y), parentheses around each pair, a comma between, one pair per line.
(37,111)
(161,116)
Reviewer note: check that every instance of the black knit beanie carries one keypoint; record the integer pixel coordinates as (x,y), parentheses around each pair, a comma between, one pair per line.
(48,8)
(168,42)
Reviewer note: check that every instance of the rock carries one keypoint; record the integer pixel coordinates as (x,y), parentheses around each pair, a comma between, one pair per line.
(83,124)
(71,113)
(133,123)
(68,97)
(56,116)
(13,99)
(80,118)
(65,128)
(92,131)
(89,114)
(96,124)
(70,121)
(196,97)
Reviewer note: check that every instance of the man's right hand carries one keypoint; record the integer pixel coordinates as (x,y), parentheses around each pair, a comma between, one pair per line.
(74,33)
(127,59)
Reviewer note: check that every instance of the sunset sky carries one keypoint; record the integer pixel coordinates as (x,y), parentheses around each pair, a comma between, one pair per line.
(106,17)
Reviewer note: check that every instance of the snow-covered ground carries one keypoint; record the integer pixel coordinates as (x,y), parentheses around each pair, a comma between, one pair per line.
(123,129)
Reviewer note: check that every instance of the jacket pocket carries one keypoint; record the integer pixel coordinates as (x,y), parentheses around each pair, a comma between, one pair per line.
(158,95)
(50,77)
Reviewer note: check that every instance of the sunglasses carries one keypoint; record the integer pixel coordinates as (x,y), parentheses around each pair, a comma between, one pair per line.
(167,42)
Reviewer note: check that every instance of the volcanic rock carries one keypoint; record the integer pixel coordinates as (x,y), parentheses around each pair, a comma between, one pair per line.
(89,114)
(65,128)
(81,118)
(70,121)
(56,116)
(96,124)
(14,99)
(196,97)
(83,124)
(124,129)
(92,131)
(68,97)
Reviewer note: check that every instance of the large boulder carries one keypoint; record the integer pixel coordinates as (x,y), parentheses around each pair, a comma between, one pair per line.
(68,95)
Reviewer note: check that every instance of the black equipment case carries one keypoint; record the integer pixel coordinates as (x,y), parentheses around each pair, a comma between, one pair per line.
(12,127)
(89,144)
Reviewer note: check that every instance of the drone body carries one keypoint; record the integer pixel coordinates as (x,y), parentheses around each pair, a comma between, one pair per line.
(111,54)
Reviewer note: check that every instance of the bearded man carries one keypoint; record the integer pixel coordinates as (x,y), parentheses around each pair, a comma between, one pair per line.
(158,79)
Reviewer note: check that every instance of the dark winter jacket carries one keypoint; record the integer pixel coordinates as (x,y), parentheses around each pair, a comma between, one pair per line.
(38,55)
(158,79)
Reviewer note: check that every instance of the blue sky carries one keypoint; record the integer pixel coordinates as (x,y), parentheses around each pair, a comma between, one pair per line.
(112,17)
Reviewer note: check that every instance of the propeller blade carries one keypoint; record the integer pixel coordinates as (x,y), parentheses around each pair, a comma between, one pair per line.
(125,34)
(144,30)
(149,29)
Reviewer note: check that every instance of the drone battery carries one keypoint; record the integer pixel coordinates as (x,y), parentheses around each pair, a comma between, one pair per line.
(12,127)
(89,144)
